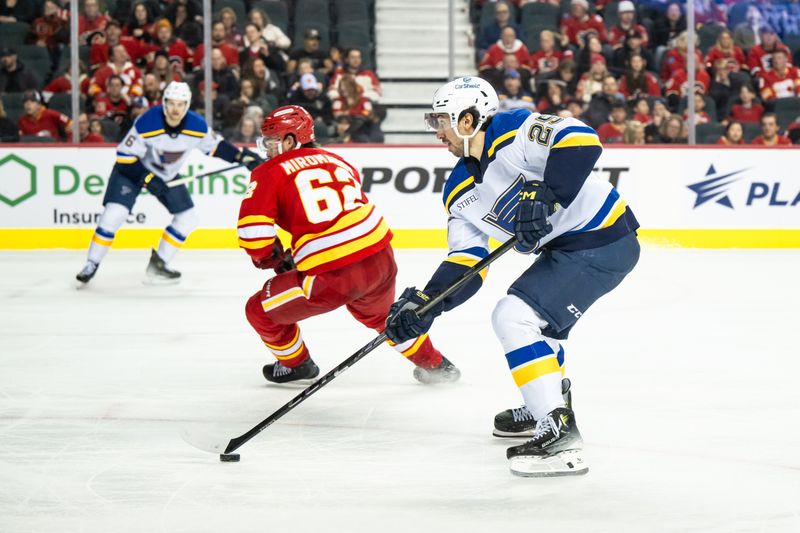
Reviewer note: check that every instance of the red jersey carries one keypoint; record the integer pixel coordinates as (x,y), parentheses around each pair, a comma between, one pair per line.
(735,58)
(104,106)
(610,134)
(679,82)
(493,58)
(674,61)
(176,49)
(644,119)
(230,53)
(653,87)
(616,37)
(544,62)
(86,25)
(780,140)
(574,29)
(47,120)
(315,196)
(362,109)
(98,53)
(63,84)
(759,59)
(131,79)
(751,114)
(779,85)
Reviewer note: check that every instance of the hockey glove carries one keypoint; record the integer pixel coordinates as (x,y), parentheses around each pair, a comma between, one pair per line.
(536,203)
(280,260)
(155,185)
(248,158)
(403,323)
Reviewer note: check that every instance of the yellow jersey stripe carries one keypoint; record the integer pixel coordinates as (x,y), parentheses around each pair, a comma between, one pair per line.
(153,133)
(193,133)
(503,137)
(170,239)
(281,298)
(538,368)
(102,241)
(256,245)
(416,346)
(350,219)
(291,355)
(255,219)
(344,250)
(287,345)
(127,160)
(466,183)
(617,212)
(578,140)
(468,262)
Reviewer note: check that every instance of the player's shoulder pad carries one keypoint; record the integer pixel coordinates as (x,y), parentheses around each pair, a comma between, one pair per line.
(458,183)
(194,125)
(570,132)
(151,122)
(503,129)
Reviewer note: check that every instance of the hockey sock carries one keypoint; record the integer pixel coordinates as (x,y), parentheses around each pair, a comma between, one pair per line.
(419,351)
(288,346)
(175,234)
(111,220)
(536,361)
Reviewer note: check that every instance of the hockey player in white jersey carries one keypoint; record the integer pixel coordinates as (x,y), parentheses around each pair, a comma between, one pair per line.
(149,156)
(526,175)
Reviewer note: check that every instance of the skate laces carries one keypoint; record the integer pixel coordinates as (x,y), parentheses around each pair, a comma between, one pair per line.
(521,414)
(279,370)
(546,425)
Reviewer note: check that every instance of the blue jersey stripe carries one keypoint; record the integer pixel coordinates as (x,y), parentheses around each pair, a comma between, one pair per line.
(572,129)
(529,353)
(605,209)
(477,251)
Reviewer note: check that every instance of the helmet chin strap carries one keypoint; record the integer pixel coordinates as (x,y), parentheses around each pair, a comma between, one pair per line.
(466,138)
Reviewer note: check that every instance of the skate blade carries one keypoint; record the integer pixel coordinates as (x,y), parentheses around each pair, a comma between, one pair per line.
(566,463)
(527,434)
(158,280)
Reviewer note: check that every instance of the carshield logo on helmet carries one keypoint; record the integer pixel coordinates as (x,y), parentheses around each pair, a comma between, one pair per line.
(18,182)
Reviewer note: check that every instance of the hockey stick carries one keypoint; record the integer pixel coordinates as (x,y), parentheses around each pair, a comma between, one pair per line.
(235,443)
(188,179)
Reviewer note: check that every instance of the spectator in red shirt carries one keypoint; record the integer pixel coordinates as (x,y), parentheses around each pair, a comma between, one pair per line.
(490,33)
(91,20)
(140,23)
(40,121)
(747,109)
(700,113)
(782,80)
(627,21)
(678,84)
(217,41)
(351,101)
(232,36)
(769,132)
(85,135)
(112,103)
(725,49)
(491,66)
(367,79)
(547,58)
(554,99)
(50,29)
(759,58)
(675,58)
(63,84)
(176,48)
(102,42)
(120,65)
(613,132)
(637,81)
(641,111)
(578,22)
(734,134)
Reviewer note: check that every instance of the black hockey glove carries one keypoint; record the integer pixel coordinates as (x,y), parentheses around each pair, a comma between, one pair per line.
(155,185)
(403,323)
(280,260)
(248,158)
(536,203)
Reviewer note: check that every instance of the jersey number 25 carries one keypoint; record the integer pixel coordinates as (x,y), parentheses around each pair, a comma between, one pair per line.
(323,203)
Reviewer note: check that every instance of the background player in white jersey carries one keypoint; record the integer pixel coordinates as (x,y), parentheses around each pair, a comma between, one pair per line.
(526,175)
(150,155)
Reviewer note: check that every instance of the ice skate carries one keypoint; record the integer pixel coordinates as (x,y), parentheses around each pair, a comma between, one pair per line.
(519,422)
(555,450)
(159,273)
(277,373)
(87,272)
(446,372)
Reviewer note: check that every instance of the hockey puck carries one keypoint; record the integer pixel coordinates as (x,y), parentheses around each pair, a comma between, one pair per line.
(229,457)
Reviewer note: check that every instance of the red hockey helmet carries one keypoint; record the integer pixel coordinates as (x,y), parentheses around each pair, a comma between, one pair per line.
(289,119)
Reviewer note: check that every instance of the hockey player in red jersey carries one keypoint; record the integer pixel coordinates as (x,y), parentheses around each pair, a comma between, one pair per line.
(340,252)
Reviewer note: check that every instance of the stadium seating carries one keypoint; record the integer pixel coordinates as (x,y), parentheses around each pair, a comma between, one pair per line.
(709,133)
(277,11)
(315,14)
(787,110)
(13,34)
(539,15)
(751,131)
(62,102)
(37,60)
(238,7)
(12,103)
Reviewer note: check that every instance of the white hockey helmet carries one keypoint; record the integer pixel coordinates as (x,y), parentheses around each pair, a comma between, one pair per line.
(457,96)
(178,90)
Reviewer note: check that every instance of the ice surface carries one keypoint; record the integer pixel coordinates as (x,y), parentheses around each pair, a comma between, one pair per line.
(684,380)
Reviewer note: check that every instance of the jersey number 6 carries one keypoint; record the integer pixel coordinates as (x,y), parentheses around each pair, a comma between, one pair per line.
(321,202)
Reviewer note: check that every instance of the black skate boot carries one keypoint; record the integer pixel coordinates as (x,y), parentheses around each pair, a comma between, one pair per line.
(277,373)
(555,450)
(88,272)
(446,372)
(519,422)
(158,271)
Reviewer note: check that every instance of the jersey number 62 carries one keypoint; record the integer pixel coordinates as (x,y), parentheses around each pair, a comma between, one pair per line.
(322,202)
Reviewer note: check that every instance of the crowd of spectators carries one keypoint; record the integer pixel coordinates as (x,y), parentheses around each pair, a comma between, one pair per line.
(132,51)
(622,67)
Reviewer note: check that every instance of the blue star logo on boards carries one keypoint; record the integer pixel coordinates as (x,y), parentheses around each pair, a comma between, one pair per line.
(714,187)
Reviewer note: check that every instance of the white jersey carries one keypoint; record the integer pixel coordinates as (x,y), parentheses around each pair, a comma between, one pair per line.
(481,197)
(163,150)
